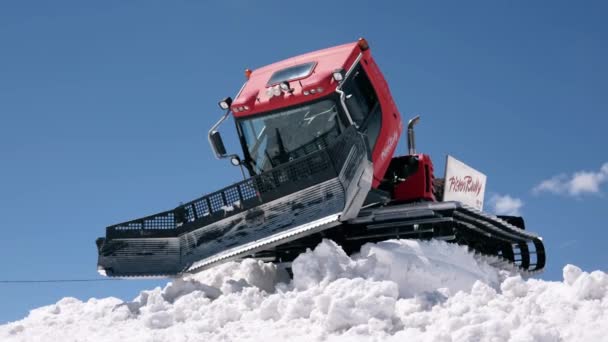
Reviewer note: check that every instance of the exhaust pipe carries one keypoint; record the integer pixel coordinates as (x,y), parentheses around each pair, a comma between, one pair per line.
(411,141)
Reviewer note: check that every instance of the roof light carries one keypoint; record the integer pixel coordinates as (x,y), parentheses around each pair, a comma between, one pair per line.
(276,90)
(363,45)
(313,91)
(338,75)
(240,108)
(235,160)
(248,73)
(225,103)
(273,91)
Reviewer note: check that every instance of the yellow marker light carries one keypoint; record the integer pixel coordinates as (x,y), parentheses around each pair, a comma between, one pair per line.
(363,45)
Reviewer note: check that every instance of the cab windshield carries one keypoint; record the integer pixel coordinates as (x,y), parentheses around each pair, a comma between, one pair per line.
(283,136)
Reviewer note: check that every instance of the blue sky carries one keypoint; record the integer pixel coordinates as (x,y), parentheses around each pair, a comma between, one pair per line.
(104,109)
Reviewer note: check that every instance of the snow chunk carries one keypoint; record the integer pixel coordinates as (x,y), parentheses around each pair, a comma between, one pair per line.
(586,286)
(571,273)
(326,263)
(421,267)
(182,287)
(414,266)
(350,302)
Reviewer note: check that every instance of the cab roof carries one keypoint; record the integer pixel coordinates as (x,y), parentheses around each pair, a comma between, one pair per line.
(254,95)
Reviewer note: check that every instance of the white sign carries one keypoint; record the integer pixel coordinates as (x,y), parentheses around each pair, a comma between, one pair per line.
(464,184)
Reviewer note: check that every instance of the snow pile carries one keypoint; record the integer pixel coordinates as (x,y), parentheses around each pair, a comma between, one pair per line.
(393,291)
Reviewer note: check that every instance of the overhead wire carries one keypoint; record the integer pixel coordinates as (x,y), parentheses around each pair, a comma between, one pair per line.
(34,281)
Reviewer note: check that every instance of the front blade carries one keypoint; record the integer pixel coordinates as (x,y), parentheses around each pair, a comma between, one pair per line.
(302,197)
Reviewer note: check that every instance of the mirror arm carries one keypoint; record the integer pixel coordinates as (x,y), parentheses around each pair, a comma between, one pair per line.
(217,124)
(214,130)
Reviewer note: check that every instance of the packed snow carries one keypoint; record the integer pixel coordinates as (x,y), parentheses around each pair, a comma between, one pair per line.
(397,290)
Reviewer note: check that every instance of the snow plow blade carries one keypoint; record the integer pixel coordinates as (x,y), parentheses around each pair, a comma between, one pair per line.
(302,197)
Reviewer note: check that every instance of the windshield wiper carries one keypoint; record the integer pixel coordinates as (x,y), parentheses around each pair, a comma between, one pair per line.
(309,120)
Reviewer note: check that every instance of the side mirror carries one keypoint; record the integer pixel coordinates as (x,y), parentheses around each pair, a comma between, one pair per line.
(217,143)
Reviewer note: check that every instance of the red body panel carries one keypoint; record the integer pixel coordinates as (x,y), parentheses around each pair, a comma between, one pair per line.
(418,186)
(392,126)
(253,94)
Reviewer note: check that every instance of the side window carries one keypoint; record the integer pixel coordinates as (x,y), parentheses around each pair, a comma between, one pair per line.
(361,97)
(363,105)
(372,128)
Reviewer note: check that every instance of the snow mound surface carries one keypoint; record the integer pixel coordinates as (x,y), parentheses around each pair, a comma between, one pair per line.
(392,291)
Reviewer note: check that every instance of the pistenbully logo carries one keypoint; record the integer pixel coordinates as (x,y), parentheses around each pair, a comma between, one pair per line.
(465,184)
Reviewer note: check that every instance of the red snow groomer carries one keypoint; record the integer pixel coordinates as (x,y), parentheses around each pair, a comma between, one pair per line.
(318,133)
